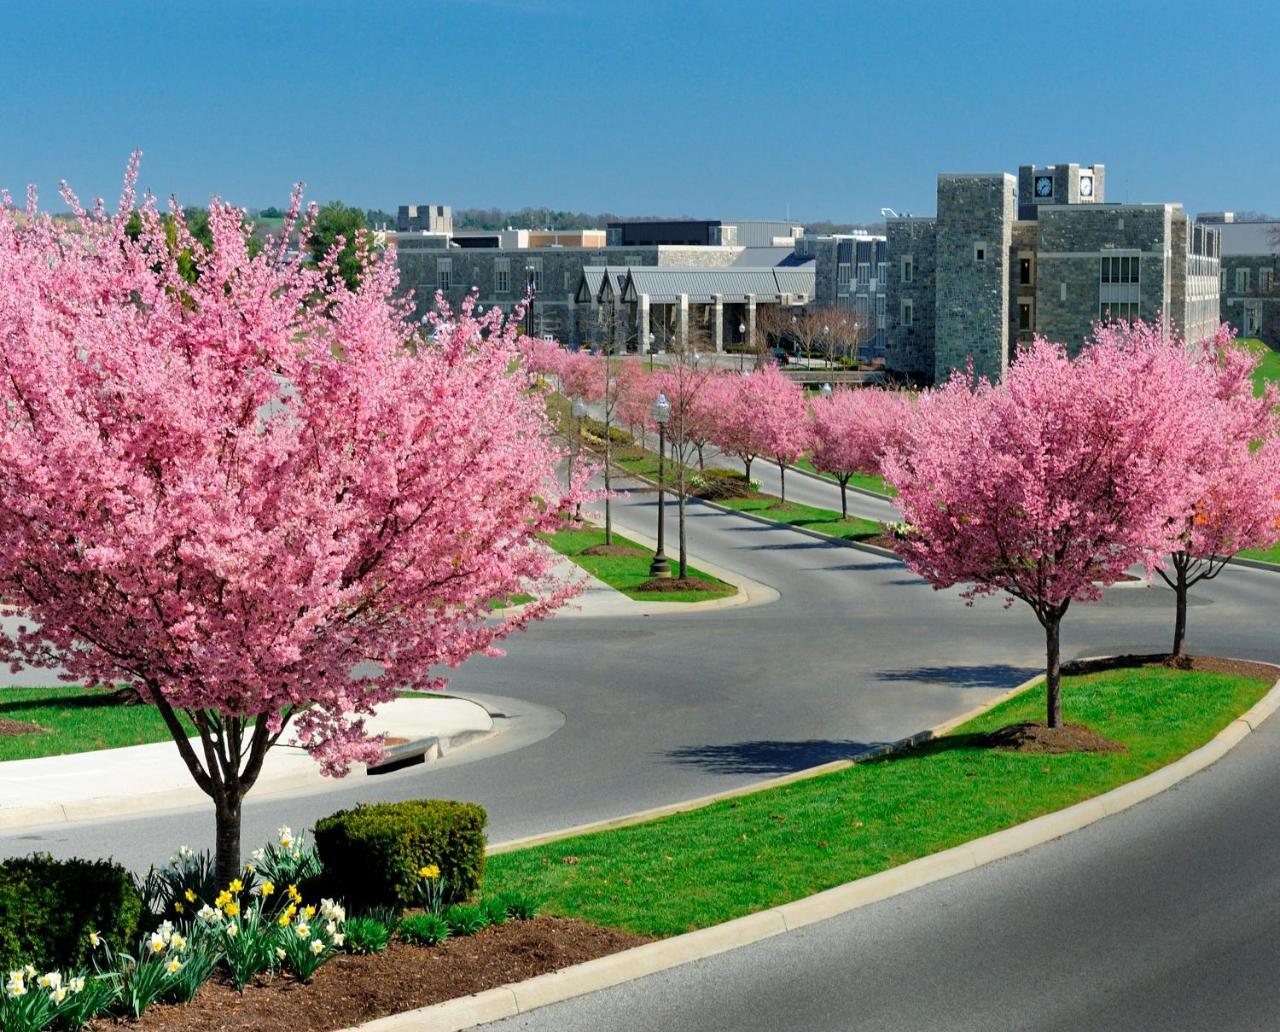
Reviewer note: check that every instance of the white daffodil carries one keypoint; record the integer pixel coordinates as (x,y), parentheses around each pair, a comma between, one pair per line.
(95,940)
(156,943)
(286,837)
(280,954)
(58,995)
(339,939)
(317,947)
(174,966)
(233,930)
(177,943)
(50,980)
(303,929)
(76,985)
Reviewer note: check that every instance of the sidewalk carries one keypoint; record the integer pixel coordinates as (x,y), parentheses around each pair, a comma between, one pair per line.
(144,778)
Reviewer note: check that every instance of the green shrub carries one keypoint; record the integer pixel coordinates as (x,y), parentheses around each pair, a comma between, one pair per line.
(495,910)
(372,855)
(48,908)
(465,919)
(424,929)
(715,484)
(521,906)
(366,935)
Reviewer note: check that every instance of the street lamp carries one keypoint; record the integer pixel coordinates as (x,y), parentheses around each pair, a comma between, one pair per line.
(651,351)
(742,345)
(661,413)
(826,392)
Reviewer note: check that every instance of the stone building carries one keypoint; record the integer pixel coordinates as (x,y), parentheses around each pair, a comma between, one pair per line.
(851,273)
(1250,299)
(1006,258)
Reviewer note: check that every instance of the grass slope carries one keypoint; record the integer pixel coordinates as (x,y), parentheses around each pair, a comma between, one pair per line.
(627,572)
(825,521)
(742,855)
(76,719)
(866,481)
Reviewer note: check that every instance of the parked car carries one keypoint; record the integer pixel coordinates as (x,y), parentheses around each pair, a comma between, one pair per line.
(779,356)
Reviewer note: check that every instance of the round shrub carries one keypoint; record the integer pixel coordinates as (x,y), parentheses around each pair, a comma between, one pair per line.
(424,929)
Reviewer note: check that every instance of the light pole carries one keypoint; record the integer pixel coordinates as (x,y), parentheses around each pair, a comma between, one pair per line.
(661,413)
(579,414)
(742,346)
(650,351)
(826,345)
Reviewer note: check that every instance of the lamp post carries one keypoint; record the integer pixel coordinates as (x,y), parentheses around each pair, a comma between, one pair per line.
(661,413)
(742,346)
(826,345)
(579,414)
(825,392)
(650,351)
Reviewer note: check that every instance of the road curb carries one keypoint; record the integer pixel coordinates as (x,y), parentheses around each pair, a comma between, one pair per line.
(816,535)
(1254,564)
(557,986)
(851,487)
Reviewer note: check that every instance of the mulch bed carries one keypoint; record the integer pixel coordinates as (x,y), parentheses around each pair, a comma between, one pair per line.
(665,584)
(880,541)
(1202,664)
(613,550)
(349,990)
(11,728)
(1040,738)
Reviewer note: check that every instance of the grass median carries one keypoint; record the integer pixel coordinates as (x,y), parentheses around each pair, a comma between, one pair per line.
(628,572)
(753,852)
(824,521)
(867,481)
(71,719)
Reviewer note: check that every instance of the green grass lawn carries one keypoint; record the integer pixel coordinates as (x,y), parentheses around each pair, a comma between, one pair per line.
(627,572)
(866,481)
(825,521)
(76,719)
(1268,370)
(746,854)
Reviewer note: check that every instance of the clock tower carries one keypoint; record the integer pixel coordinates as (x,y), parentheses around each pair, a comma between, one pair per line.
(1058,184)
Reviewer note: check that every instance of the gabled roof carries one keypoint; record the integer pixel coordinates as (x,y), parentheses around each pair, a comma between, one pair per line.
(666,284)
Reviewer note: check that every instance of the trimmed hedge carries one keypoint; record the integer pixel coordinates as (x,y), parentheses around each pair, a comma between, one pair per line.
(372,854)
(48,908)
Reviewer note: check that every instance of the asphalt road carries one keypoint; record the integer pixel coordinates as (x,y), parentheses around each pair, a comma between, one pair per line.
(1162,918)
(661,708)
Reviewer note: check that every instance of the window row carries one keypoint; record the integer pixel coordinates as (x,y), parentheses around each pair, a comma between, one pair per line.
(1120,269)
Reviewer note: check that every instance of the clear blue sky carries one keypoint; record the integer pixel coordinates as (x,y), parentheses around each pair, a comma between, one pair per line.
(713,109)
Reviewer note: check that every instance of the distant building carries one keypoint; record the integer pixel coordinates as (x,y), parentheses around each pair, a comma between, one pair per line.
(1006,258)
(1250,260)
(851,273)
(704,233)
(424,218)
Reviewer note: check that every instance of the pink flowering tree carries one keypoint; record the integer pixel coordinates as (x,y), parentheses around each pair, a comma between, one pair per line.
(1052,484)
(682,383)
(854,429)
(231,492)
(636,393)
(777,408)
(735,432)
(708,408)
(1235,501)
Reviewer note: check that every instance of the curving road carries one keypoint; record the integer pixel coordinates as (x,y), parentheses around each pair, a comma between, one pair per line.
(661,708)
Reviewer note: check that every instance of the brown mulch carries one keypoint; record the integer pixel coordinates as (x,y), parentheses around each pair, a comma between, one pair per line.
(349,990)
(880,541)
(1203,664)
(1040,738)
(11,728)
(613,550)
(679,584)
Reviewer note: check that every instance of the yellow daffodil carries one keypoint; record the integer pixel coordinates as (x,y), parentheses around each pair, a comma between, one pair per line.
(174,966)
(429,871)
(191,896)
(236,885)
(308,911)
(95,940)
(268,888)
(232,909)
(177,908)
(222,899)
(284,919)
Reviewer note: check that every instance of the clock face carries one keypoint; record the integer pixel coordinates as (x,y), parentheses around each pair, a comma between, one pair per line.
(1044,186)
(1086,186)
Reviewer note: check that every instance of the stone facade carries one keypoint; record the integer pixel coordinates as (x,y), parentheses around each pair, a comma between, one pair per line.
(1250,275)
(911,294)
(851,273)
(502,275)
(1070,261)
(975,230)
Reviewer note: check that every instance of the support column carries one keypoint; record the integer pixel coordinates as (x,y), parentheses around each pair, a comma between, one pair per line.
(642,324)
(717,322)
(683,324)
(575,331)
(751,321)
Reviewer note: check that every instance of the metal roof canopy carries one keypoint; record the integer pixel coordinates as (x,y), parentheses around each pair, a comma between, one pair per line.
(701,286)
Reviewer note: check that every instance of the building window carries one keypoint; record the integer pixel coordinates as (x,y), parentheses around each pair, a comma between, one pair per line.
(1114,311)
(1242,281)
(532,274)
(1252,319)
(908,313)
(1223,285)
(980,251)
(1120,269)
(1024,271)
(444,273)
(502,276)
(907,269)
(1267,280)
(882,273)
(1024,316)
(864,273)
(842,274)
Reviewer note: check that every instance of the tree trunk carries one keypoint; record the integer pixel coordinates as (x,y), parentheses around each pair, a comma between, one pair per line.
(226,813)
(747,463)
(1053,671)
(844,498)
(608,452)
(1180,595)
(684,554)
(782,472)
(701,464)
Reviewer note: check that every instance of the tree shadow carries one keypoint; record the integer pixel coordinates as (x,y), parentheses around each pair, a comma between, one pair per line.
(767,757)
(990,676)
(91,701)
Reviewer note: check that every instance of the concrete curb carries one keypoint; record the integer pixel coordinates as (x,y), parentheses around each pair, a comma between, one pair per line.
(190,797)
(1254,564)
(816,535)
(835,483)
(557,986)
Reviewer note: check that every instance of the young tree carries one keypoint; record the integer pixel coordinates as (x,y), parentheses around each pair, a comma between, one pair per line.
(228,493)
(777,408)
(852,431)
(1236,467)
(683,382)
(1051,484)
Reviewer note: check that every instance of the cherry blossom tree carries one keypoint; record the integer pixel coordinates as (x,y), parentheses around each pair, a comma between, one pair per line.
(736,432)
(1235,503)
(1052,484)
(259,497)
(682,383)
(776,406)
(852,431)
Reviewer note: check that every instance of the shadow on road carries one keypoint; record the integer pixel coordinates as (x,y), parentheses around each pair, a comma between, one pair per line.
(998,675)
(766,757)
